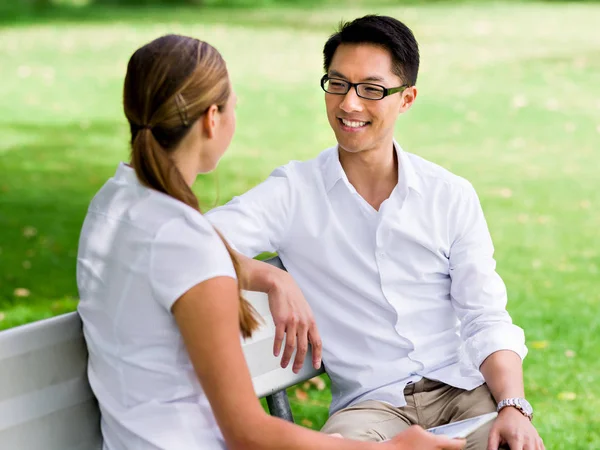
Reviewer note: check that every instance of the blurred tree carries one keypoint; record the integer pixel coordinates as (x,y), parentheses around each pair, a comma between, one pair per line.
(145,2)
(34,5)
(11,10)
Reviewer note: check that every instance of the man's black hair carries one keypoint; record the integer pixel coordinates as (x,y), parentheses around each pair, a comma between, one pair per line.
(383,31)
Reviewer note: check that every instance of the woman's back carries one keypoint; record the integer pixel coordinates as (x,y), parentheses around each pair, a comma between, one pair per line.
(140,250)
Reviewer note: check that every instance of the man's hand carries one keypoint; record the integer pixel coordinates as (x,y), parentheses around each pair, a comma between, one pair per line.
(417,438)
(292,316)
(513,428)
(294,320)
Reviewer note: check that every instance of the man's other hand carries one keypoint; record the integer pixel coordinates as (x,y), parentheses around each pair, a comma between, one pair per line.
(513,428)
(293,320)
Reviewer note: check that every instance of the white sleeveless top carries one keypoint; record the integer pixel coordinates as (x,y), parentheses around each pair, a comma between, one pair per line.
(139,251)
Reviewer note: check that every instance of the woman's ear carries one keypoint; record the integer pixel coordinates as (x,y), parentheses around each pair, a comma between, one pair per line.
(210,121)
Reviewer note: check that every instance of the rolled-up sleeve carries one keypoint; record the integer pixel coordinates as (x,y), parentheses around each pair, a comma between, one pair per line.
(478,293)
(258,220)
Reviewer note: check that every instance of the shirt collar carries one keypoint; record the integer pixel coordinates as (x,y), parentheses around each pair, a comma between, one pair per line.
(126,173)
(333,171)
(406,171)
(407,176)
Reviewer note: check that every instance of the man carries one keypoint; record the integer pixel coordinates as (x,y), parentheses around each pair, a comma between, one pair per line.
(393,255)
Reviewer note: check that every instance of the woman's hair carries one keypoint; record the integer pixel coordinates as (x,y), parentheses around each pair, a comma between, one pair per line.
(170,84)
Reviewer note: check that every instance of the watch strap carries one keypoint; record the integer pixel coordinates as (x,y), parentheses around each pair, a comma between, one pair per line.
(514,402)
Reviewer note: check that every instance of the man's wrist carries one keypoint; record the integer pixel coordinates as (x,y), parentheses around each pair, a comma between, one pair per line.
(258,275)
(516,403)
(274,279)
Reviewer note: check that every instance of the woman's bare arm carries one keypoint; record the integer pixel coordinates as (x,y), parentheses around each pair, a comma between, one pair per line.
(207,316)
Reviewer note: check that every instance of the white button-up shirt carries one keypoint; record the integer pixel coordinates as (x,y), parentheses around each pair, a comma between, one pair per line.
(398,294)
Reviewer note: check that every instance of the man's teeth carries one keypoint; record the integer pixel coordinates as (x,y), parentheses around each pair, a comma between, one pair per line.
(353,124)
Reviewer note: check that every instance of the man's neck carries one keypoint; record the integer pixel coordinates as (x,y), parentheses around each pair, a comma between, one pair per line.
(373,173)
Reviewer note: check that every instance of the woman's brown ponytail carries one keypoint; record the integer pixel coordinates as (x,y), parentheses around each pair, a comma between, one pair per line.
(170,83)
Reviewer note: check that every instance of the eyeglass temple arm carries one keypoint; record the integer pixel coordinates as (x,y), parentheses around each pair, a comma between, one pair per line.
(391,91)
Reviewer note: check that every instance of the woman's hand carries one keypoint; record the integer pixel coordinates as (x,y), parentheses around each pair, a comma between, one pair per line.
(293,320)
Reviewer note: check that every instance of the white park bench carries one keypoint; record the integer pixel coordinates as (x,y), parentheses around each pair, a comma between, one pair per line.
(46,401)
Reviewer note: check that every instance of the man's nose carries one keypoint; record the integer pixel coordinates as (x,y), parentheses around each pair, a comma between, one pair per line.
(351,102)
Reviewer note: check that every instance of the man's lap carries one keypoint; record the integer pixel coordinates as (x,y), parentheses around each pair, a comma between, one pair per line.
(429,404)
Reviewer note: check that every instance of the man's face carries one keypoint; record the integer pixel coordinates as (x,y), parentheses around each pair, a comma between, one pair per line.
(360,124)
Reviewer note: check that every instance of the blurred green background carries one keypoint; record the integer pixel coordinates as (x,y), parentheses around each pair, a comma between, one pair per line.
(509,97)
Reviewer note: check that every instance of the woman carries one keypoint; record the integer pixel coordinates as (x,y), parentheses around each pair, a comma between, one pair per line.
(160,301)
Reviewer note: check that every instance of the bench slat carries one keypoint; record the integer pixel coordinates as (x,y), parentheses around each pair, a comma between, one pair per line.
(45,398)
(267,375)
(74,428)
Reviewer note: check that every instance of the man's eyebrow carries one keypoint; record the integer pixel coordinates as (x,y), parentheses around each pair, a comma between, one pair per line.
(374,78)
(336,74)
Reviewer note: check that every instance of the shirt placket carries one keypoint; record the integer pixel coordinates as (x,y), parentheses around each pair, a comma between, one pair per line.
(386,274)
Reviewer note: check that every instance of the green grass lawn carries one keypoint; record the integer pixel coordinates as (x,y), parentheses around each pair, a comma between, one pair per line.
(509,98)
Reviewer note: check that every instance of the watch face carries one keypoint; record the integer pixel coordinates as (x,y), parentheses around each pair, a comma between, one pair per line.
(525,406)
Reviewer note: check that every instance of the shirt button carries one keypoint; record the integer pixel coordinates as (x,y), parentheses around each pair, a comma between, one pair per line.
(381,255)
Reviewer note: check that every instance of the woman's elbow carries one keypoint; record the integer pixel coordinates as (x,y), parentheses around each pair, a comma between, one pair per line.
(248,432)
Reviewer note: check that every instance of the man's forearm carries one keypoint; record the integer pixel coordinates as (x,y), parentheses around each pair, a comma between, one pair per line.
(503,373)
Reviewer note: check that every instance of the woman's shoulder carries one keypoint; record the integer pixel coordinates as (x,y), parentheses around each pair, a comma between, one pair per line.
(185,251)
(124,199)
(178,219)
(153,212)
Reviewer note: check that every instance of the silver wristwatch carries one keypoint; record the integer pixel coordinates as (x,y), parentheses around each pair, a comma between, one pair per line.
(520,403)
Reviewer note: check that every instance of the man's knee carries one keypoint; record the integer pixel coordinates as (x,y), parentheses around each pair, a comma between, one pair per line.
(368,421)
(358,434)
(359,430)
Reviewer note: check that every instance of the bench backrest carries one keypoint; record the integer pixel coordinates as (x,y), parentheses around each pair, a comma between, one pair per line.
(267,375)
(45,399)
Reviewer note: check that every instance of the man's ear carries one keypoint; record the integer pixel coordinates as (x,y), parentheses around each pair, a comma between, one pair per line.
(210,121)
(408,98)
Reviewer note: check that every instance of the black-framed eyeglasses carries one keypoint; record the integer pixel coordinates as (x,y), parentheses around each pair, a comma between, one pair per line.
(368,91)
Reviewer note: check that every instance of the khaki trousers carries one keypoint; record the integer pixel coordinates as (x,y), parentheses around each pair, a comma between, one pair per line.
(429,404)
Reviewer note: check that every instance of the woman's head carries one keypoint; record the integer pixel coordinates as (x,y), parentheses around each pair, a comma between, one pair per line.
(180,107)
(178,87)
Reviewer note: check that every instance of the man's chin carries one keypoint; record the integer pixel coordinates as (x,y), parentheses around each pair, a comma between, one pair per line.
(350,147)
